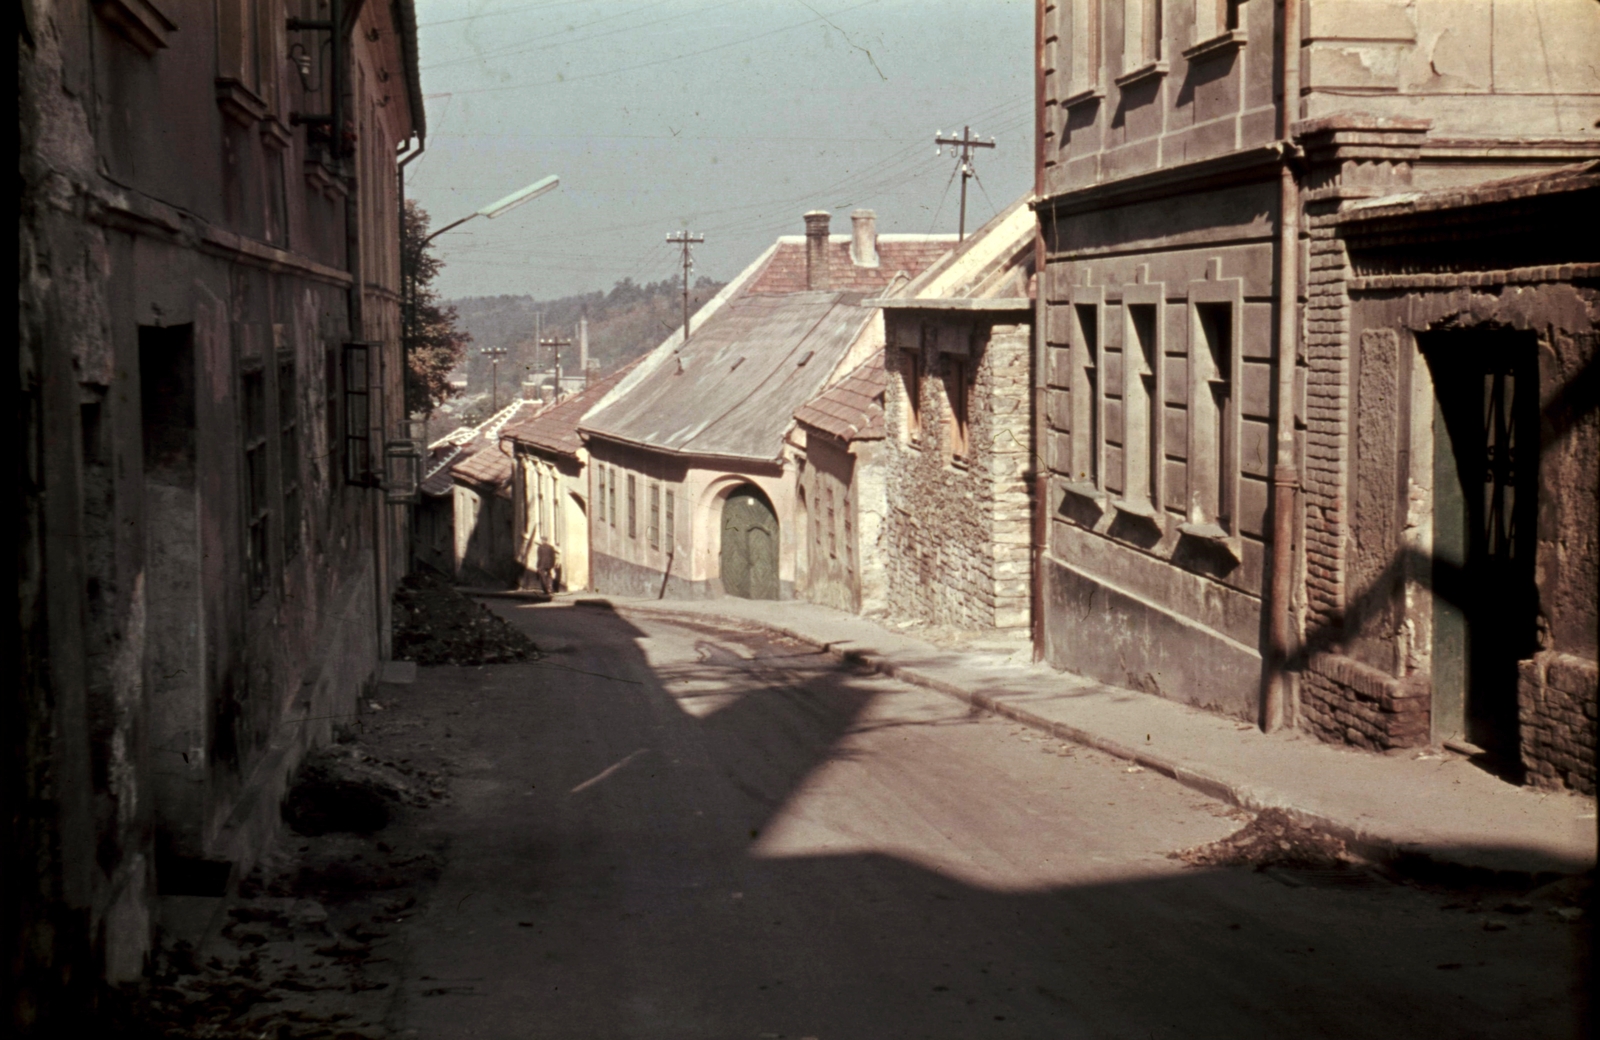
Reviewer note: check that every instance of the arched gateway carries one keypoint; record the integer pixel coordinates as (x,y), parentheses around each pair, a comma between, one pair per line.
(749,544)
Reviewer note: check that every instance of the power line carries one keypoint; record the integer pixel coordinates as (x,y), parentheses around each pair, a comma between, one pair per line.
(966,142)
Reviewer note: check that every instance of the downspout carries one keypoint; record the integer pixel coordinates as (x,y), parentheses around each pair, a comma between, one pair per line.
(1040,471)
(1285,476)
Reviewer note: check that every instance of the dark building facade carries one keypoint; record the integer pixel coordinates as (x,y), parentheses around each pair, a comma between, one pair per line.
(1233,492)
(209,369)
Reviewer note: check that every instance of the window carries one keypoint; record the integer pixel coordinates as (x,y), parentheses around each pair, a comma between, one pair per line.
(833,530)
(1083,75)
(955,384)
(1212,18)
(653,528)
(357,435)
(612,505)
(600,494)
(633,506)
(1086,394)
(672,539)
(254,399)
(289,455)
(911,376)
(849,536)
(1213,461)
(1141,407)
(1141,40)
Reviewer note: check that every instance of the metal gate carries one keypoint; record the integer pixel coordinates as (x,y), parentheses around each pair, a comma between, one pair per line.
(749,545)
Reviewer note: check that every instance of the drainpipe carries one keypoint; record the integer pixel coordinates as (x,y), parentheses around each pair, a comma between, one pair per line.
(1041,472)
(1285,475)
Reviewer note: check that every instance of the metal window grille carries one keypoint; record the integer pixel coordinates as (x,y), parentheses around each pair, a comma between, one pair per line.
(672,540)
(654,527)
(633,506)
(257,515)
(289,455)
(612,505)
(357,413)
(833,530)
(600,495)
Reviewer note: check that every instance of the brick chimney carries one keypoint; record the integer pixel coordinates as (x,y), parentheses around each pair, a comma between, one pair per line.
(864,238)
(817,249)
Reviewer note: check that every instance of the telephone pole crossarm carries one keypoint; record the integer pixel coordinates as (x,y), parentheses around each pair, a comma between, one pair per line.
(966,142)
(685,240)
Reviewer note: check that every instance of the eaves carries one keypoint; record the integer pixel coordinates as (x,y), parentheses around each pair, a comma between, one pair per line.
(739,460)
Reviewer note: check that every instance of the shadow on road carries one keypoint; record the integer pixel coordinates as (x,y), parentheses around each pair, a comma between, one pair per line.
(613,874)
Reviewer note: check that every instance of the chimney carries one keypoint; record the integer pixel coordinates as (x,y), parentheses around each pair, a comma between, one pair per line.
(864,238)
(583,343)
(817,249)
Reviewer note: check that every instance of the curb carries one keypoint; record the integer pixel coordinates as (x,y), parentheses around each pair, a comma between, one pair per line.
(1409,859)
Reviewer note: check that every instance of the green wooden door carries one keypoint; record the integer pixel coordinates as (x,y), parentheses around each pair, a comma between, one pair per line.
(749,545)
(1486,439)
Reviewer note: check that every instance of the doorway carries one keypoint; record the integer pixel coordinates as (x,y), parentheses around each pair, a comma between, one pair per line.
(1485,508)
(749,544)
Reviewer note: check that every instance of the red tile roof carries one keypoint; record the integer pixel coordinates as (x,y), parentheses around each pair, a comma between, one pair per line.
(851,409)
(556,428)
(490,468)
(786,271)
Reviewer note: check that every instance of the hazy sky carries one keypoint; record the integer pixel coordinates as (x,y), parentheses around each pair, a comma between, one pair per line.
(731,116)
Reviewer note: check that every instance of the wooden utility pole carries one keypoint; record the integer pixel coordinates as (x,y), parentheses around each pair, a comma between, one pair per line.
(494,354)
(555,343)
(684,239)
(966,142)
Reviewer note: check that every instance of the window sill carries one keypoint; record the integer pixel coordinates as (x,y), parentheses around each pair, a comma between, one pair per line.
(1227,43)
(1213,533)
(275,135)
(140,22)
(1082,97)
(320,178)
(1152,71)
(239,103)
(1089,493)
(1141,510)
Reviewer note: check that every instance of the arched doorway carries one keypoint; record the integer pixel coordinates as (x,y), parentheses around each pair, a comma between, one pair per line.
(749,544)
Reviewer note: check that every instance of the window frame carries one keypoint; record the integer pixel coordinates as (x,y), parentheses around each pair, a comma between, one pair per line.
(652,528)
(253,425)
(1085,69)
(289,455)
(958,396)
(1143,401)
(1213,492)
(911,374)
(671,534)
(633,506)
(1087,387)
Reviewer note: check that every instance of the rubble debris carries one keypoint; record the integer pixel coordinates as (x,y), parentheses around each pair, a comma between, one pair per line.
(1273,839)
(435,624)
(342,788)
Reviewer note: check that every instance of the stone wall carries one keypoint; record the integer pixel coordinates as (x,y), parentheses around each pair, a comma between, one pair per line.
(956,532)
(1556,698)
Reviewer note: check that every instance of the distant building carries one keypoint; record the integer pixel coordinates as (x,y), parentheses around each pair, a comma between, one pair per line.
(550,485)
(463,516)
(1268,387)
(210,367)
(959,455)
(691,475)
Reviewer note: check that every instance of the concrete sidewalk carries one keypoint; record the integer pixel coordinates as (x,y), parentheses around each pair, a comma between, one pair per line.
(1421,810)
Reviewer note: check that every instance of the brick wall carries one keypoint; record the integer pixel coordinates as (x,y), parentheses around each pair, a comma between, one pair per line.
(956,533)
(1556,695)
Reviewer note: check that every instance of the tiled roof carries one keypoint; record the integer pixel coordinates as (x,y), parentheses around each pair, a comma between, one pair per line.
(490,468)
(555,428)
(851,409)
(742,375)
(450,454)
(908,254)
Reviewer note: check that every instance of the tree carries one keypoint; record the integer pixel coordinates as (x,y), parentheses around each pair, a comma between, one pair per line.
(434,345)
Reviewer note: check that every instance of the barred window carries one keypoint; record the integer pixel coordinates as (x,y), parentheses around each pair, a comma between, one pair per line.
(257,515)
(633,506)
(654,527)
(600,495)
(289,455)
(612,485)
(671,525)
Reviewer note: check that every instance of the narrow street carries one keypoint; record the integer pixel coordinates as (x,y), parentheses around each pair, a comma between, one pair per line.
(669,828)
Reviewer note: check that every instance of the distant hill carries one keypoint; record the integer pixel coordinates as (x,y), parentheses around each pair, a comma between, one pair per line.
(623,324)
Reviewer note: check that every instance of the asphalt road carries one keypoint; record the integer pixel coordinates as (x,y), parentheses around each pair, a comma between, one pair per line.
(668,829)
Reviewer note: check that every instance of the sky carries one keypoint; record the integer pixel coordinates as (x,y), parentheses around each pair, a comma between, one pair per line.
(729,118)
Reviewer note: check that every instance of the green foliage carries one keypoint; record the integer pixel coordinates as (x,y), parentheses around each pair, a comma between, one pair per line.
(435,345)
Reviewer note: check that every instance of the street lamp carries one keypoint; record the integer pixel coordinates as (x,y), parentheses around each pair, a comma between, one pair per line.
(505,205)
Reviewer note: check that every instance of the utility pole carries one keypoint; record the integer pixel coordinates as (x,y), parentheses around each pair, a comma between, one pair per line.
(966,142)
(494,354)
(556,343)
(684,239)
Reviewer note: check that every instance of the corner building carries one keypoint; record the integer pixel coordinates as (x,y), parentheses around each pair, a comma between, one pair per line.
(1199,391)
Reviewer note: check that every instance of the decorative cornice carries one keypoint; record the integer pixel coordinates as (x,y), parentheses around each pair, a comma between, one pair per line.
(1235,167)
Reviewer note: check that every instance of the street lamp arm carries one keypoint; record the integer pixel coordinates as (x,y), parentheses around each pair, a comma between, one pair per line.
(505,205)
